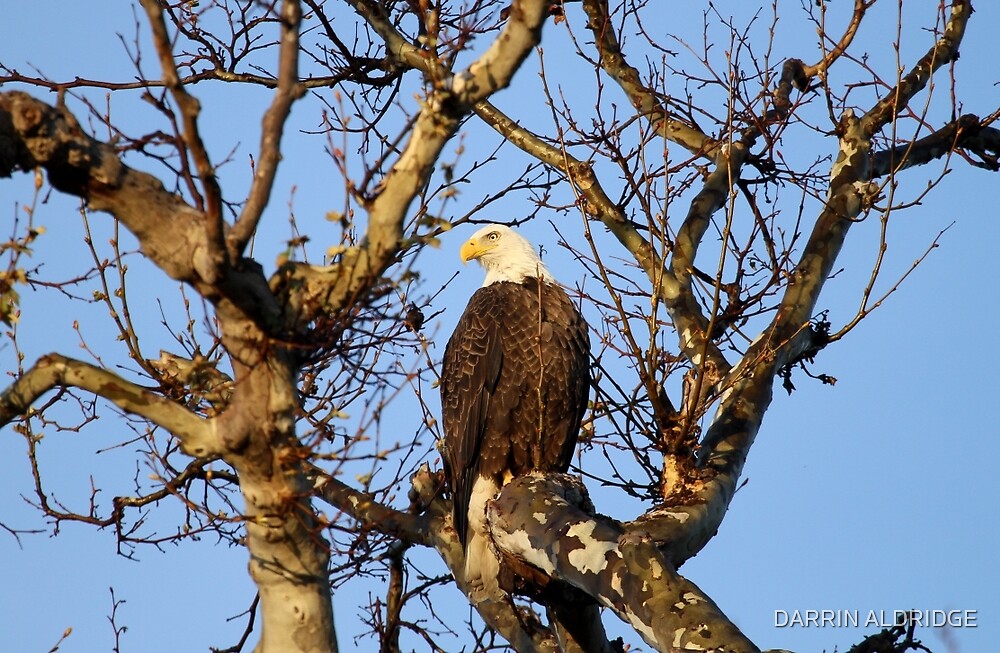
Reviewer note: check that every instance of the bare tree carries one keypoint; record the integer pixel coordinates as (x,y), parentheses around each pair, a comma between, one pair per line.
(728,181)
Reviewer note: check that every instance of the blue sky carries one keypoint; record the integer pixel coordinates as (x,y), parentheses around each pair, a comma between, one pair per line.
(873,494)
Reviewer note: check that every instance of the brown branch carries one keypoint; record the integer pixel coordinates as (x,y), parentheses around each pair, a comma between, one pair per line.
(867,305)
(596,203)
(581,175)
(746,394)
(171,233)
(288,90)
(394,600)
(965,132)
(692,326)
(519,626)
(397,47)
(675,289)
(849,195)
(211,74)
(190,108)
(251,613)
(433,528)
(682,530)
(439,119)
(646,102)
(54,371)
(985,143)
(821,66)
(362,507)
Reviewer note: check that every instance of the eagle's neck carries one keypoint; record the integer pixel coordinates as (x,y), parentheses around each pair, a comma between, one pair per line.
(517,272)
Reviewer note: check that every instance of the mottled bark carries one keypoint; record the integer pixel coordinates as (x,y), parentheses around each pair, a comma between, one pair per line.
(255,432)
(685,525)
(542,529)
(545,521)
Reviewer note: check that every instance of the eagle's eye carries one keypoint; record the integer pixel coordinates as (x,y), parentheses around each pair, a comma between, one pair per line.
(493,235)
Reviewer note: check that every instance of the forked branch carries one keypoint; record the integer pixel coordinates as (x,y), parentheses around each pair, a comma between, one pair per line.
(541,520)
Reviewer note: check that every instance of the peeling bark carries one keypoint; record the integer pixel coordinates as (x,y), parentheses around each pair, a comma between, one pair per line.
(547,522)
(542,524)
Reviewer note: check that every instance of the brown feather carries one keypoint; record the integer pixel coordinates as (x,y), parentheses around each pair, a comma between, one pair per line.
(514,386)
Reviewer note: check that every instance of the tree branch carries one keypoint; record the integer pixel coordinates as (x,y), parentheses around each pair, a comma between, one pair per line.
(585,182)
(683,530)
(944,51)
(288,91)
(170,232)
(965,132)
(196,435)
(691,323)
(647,103)
(190,108)
(519,626)
(362,507)
(448,103)
(544,520)
(789,336)
(396,45)
(820,67)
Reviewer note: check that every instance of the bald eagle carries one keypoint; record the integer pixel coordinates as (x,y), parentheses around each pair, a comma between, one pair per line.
(514,386)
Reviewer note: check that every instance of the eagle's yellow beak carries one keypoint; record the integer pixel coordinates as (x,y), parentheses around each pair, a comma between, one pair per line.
(473,249)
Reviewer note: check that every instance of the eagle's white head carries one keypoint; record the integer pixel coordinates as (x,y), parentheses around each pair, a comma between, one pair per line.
(504,254)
